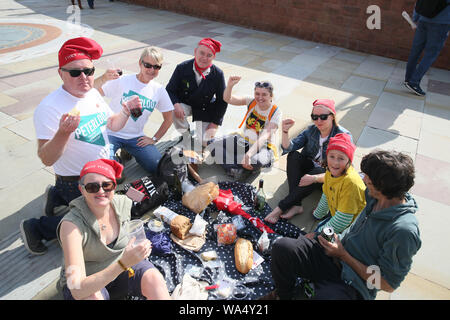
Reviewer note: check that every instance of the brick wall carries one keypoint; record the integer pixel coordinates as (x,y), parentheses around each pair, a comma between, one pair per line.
(336,22)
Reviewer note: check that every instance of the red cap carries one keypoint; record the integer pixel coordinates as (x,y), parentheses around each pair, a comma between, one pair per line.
(106,167)
(212,44)
(327,103)
(342,142)
(77,49)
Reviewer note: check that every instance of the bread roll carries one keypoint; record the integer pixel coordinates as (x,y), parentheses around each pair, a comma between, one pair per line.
(243,255)
(180,226)
(74,112)
(200,197)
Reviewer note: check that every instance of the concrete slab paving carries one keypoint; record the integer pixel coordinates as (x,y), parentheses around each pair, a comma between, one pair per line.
(368,90)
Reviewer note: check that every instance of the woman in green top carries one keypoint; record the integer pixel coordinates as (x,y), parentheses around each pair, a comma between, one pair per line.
(99,260)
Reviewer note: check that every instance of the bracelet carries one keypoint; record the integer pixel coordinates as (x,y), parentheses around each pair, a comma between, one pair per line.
(315,178)
(130,270)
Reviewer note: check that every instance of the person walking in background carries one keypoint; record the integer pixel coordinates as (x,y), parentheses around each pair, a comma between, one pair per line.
(429,38)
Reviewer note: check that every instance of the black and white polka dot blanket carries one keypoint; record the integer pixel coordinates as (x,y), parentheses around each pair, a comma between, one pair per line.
(257,283)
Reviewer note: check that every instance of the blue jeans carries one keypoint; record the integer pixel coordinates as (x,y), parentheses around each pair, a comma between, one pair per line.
(430,38)
(147,157)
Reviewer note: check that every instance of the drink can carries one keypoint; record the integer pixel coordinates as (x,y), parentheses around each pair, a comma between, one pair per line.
(328,233)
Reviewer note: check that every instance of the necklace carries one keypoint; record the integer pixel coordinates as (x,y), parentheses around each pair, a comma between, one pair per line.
(102,226)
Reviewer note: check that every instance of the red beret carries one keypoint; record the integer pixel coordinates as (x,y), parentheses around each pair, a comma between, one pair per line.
(327,103)
(342,142)
(212,44)
(106,167)
(77,49)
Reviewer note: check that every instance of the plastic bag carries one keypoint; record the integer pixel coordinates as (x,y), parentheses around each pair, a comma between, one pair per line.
(226,233)
(165,214)
(239,222)
(264,242)
(198,228)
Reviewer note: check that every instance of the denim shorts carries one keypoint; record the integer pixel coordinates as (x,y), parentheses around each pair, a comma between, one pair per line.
(122,286)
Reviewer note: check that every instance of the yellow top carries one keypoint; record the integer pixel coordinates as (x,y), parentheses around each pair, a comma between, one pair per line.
(345,193)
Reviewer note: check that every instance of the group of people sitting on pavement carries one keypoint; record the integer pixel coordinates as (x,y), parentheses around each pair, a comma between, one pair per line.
(79,135)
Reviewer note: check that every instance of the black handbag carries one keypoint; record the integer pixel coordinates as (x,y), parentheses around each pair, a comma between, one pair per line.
(155,191)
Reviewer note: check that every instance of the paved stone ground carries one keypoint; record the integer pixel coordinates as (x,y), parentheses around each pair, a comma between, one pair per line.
(370,98)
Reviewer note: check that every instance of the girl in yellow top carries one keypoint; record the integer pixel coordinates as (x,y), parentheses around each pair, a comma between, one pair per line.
(343,189)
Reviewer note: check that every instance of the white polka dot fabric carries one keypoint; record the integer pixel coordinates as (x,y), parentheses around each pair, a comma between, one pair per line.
(257,283)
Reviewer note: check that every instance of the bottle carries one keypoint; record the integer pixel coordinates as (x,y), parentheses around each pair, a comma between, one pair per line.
(260,197)
(177,189)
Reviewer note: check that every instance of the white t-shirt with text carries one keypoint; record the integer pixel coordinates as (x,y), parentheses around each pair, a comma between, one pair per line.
(152,95)
(88,142)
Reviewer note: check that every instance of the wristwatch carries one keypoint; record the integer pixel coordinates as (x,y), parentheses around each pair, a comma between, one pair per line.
(155,139)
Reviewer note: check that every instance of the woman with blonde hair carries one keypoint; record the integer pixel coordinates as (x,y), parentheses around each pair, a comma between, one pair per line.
(100,261)
(151,95)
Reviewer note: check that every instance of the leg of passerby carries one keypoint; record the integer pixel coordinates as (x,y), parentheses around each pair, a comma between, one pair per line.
(436,35)
(419,41)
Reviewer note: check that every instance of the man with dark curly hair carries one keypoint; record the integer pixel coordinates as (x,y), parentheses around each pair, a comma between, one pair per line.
(374,253)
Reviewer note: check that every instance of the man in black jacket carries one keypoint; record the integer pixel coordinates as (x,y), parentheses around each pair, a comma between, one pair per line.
(196,89)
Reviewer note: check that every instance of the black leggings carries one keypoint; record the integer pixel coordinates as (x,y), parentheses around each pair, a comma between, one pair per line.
(297,166)
(305,258)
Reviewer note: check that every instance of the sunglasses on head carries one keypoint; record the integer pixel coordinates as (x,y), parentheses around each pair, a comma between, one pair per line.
(323,117)
(265,85)
(149,66)
(76,72)
(94,187)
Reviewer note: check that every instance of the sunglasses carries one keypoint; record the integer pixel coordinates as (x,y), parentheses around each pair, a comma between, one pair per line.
(265,85)
(323,117)
(76,72)
(94,187)
(149,66)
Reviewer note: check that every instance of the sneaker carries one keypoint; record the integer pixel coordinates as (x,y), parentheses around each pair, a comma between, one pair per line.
(124,155)
(270,296)
(235,173)
(415,88)
(31,242)
(49,203)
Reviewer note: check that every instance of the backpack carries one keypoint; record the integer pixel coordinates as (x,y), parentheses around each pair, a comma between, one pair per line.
(172,168)
(430,8)
(155,191)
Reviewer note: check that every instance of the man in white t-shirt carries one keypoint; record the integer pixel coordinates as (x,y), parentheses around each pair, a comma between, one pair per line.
(151,95)
(70,126)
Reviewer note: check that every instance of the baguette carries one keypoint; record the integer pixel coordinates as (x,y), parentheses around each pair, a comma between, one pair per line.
(243,255)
